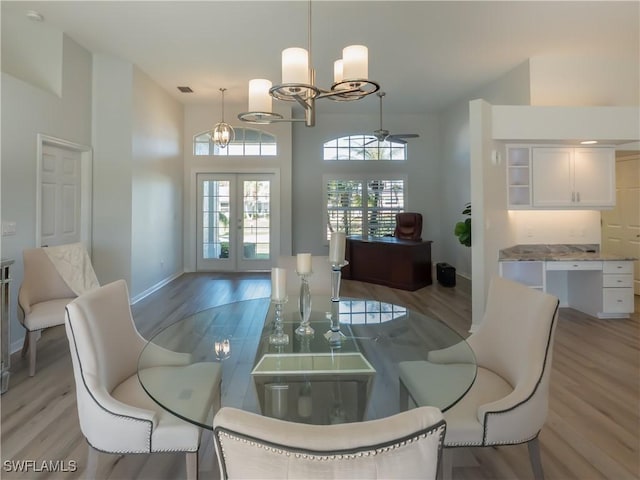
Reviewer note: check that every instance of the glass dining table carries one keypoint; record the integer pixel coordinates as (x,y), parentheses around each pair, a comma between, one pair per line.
(378,360)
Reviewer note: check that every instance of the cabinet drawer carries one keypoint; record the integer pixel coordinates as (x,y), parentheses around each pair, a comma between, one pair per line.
(617,267)
(617,300)
(617,280)
(596,265)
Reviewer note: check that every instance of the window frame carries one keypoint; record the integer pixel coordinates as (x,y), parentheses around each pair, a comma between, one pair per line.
(351,147)
(214,150)
(364,179)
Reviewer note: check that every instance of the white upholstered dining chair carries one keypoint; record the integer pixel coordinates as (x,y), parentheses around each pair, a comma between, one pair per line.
(42,297)
(407,445)
(508,401)
(116,415)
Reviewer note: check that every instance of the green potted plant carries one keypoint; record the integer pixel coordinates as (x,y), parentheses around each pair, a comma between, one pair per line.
(463,228)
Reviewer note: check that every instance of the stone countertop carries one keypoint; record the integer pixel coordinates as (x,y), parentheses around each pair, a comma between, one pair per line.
(557,252)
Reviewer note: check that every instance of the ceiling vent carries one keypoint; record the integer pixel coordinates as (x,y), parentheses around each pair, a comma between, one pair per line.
(185,89)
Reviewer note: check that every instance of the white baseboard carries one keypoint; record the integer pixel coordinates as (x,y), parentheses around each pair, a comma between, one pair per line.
(157,286)
(17,345)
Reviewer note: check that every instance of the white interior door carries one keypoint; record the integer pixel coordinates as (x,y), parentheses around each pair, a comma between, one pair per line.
(60,195)
(621,225)
(237,224)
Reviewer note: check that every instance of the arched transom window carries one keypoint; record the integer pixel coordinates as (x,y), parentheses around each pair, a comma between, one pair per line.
(363,147)
(248,142)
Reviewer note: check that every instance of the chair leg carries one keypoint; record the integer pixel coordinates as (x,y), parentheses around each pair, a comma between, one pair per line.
(25,344)
(192,465)
(92,462)
(33,338)
(534,456)
(446,467)
(404,397)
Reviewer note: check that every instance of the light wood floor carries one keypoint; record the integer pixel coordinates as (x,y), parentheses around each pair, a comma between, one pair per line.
(592,431)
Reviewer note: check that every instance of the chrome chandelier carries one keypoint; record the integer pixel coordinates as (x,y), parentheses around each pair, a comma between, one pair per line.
(350,82)
(222,133)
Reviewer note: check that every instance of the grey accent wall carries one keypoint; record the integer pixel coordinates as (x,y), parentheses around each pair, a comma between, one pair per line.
(422,169)
(456,180)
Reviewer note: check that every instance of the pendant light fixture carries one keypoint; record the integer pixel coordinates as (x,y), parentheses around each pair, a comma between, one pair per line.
(298,83)
(222,133)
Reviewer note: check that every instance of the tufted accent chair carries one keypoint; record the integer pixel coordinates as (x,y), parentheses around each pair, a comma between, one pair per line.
(508,401)
(408,226)
(116,415)
(404,446)
(42,297)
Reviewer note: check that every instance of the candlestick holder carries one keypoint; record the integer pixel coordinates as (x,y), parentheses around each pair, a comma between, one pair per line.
(278,337)
(304,304)
(334,335)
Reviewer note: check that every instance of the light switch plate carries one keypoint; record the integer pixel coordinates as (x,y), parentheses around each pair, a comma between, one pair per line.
(8,228)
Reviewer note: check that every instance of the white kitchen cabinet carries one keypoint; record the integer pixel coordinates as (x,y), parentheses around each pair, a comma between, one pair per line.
(566,177)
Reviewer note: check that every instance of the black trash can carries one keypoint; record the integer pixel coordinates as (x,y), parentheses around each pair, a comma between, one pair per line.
(446,274)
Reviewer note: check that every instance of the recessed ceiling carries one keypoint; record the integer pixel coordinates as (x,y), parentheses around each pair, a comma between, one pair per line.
(424,54)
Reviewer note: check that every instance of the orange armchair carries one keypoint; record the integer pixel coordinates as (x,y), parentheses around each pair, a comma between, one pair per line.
(408,226)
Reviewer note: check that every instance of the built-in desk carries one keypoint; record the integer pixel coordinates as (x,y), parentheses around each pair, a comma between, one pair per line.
(388,261)
(582,277)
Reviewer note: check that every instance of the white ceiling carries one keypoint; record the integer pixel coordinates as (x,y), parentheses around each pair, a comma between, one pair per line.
(425,54)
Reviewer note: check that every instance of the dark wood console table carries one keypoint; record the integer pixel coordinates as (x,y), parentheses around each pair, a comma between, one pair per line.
(388,261)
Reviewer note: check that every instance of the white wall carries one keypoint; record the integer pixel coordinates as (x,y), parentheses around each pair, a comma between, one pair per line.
(584,80)
(157,180)
(200,118)
(137,139)
(422,169)
(113,168)
(26,111)
(32,51)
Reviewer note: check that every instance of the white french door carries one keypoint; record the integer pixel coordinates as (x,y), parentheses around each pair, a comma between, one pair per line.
(237,221)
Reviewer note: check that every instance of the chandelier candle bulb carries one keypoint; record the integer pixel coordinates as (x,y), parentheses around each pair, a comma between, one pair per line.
(303,263)
(355,62)
(278,284)
(259,98)
(295,65)
(337,247)
(338,68)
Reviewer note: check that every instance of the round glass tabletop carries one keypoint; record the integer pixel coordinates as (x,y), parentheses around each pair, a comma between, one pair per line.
(379,360)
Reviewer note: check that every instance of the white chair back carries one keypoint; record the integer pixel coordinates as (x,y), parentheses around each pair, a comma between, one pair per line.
(404,446)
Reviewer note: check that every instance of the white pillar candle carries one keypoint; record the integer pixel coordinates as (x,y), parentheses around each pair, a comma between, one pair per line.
(295,65)
(336,247)
(303,263)
(355,60)
(337,71)
(259,98)
(278,283)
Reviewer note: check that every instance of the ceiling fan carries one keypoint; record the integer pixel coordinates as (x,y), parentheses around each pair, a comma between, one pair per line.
(383,135)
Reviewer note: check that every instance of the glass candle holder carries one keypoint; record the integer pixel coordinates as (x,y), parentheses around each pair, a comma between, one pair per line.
(278,337)
(334,335)
(304,303)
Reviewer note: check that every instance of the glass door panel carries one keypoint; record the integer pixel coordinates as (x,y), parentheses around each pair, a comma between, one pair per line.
(235,222)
